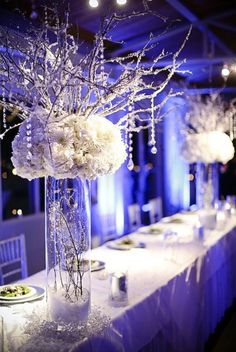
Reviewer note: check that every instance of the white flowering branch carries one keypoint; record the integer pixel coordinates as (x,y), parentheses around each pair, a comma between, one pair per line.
(207,114)
(52,73)
(49,69)
(204,127)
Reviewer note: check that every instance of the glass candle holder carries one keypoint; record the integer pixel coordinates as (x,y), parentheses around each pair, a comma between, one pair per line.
(118,288)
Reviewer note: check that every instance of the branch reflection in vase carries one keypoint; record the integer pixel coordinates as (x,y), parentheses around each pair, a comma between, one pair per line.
(68,246)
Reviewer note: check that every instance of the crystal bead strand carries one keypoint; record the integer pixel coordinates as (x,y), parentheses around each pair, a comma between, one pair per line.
(78,95)
(102,67)
(60,104)
(29,139)
(232,126)
(153,137)
(46,18)
(126,132)
(102,60)
(75,86)
(4,113)
(46,40)
(130,164)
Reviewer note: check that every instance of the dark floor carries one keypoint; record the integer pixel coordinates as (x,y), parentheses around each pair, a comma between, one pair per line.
(224,338)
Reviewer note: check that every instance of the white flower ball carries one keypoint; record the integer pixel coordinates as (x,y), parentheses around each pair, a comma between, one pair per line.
(208,147)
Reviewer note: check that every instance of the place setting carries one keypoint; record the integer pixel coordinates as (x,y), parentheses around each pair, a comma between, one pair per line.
(97,265)
(173,220)
(154,229)
(20,293)
(125,243)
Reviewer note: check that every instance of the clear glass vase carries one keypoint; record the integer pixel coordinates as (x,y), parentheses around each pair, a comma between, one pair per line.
(207,185)
(207,192)
(68,241)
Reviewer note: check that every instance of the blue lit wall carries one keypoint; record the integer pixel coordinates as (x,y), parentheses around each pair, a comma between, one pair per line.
(168,178)
(175,170)
(109,215)
(110,212)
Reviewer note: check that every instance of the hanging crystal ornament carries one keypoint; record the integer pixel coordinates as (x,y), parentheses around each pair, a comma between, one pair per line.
(46,16)
(234,126)
(78,92)
(4,113)
(46,31)
(152,141)
(102,69)
(102,61)
(231,127)
(232,119)
(29,139)
(60,104)
(130,164)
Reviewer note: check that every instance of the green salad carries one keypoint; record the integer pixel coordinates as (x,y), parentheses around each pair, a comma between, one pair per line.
(14,291)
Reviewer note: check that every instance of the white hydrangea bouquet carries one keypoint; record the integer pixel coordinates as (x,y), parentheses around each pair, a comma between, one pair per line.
(204,128)
(64,99)
(72,147)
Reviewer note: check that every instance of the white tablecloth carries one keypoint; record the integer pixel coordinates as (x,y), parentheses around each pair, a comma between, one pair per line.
(178,292)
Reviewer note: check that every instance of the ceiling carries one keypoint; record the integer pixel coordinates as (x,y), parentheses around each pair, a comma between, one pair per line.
(211,44)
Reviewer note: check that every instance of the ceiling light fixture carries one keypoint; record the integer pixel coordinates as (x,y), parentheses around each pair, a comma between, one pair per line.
(93,3)
(121,2)
(225,71)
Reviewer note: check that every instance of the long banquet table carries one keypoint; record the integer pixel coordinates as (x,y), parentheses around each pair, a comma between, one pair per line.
(177,293)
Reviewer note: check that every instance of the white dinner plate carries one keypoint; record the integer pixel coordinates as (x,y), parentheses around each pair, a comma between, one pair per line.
(97,265)
(151,230)
(84,265)
(27,295)
(172,220)
(188,212)
(38,293)
(120,245)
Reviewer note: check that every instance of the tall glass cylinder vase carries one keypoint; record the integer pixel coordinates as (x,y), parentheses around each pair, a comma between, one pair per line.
(207,185)
(68,248)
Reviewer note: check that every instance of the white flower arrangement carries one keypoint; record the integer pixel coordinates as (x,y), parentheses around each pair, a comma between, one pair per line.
(207,147)
(204,128)
(72,147)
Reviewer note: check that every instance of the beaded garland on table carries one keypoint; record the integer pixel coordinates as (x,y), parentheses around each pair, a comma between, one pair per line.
(50,336)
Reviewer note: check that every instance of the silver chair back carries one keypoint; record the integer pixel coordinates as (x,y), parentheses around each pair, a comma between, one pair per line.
(134,213)
(13,264)
(156,211)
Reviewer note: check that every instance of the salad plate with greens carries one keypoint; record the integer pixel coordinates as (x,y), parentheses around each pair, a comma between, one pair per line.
(155,229)
(125,243)
(16,292)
